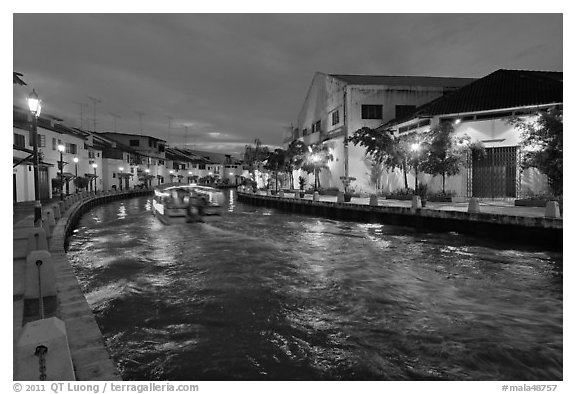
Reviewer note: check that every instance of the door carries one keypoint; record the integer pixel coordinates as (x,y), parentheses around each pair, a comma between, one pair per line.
(494,175)
(43,183)
(14,191)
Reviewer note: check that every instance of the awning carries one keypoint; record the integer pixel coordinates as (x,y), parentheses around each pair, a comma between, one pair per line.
(123,174)
(66,175)
(91,176)
(30,162)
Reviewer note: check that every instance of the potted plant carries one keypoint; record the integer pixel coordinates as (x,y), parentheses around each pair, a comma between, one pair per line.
(347,189)
(302,184)
(422,191)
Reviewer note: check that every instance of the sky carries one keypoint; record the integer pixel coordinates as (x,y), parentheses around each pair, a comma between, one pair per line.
(217,82)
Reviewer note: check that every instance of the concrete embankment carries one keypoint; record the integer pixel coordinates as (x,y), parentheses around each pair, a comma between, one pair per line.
(524,228)
(67,327)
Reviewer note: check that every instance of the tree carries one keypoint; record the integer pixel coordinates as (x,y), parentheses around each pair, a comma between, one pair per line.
(254,155)
(541,145)
(446,154)
(276,163)
(384,148)
(295,155)
(316,159)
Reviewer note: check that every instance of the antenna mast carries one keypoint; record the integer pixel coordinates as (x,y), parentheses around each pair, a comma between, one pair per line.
(94,102)
(140,115)
(115,116)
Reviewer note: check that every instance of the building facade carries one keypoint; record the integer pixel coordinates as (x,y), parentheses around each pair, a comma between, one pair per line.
(483,111)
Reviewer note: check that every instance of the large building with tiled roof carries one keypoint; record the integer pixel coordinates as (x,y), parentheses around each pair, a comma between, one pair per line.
(482,110)
(336,105)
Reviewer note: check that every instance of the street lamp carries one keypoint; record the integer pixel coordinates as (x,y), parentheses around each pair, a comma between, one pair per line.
(416,149)
(35,108)
(120,177)
(61,148)
(76,168)
(94,165)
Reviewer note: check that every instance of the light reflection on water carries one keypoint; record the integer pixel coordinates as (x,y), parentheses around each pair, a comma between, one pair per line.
(267,295)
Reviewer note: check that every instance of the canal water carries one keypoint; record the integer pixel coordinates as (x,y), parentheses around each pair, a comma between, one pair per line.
(267,295)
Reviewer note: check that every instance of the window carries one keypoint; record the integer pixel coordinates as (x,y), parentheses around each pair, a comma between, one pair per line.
(316,127)
(403,111)
(335,117)
(160,162)
(113,175)
(41,141)
(160,148)
(370,111)
(19,140)
(53,143)
(90,154)
(304,132)
(134,142)
(201,166)
(71,148)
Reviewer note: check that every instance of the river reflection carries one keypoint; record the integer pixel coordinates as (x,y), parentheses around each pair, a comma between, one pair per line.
(265,295)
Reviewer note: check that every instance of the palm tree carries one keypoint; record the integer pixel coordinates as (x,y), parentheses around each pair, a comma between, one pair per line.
(317,158)
(254,155)
(295,155)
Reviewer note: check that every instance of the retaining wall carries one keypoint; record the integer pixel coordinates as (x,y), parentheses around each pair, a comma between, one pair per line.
(540,231)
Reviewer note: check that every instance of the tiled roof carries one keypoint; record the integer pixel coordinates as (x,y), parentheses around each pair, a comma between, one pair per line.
(499,90)
(447,82)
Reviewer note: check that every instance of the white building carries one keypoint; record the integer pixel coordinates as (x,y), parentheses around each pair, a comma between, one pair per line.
(338,105)
(482,111)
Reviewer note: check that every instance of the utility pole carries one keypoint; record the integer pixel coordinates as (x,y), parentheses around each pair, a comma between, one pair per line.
(94,102)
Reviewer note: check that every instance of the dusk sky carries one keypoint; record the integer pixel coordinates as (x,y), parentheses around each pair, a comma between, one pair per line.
(232,78)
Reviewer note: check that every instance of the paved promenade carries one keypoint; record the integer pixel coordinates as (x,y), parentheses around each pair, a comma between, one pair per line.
(90,357)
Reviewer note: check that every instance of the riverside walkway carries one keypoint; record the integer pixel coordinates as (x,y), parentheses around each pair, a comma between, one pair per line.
(88,355)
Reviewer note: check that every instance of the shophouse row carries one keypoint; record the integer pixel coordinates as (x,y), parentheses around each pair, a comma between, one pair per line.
(105,160)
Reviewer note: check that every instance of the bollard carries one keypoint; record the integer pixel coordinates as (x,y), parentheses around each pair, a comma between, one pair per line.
(316,196)
(474,205)
(552,210)
(46,267)
(42,352)
(373,200)
(36,239)
(340,197)
(48,216)
(281,193)
(416,202)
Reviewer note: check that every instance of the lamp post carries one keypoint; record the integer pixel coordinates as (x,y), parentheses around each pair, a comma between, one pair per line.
(76,172)
(120,177)
(35,108)
(416,149)
(94,165)
(61,148)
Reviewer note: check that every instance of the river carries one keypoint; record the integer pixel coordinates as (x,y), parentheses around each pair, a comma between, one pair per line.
(267,295)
